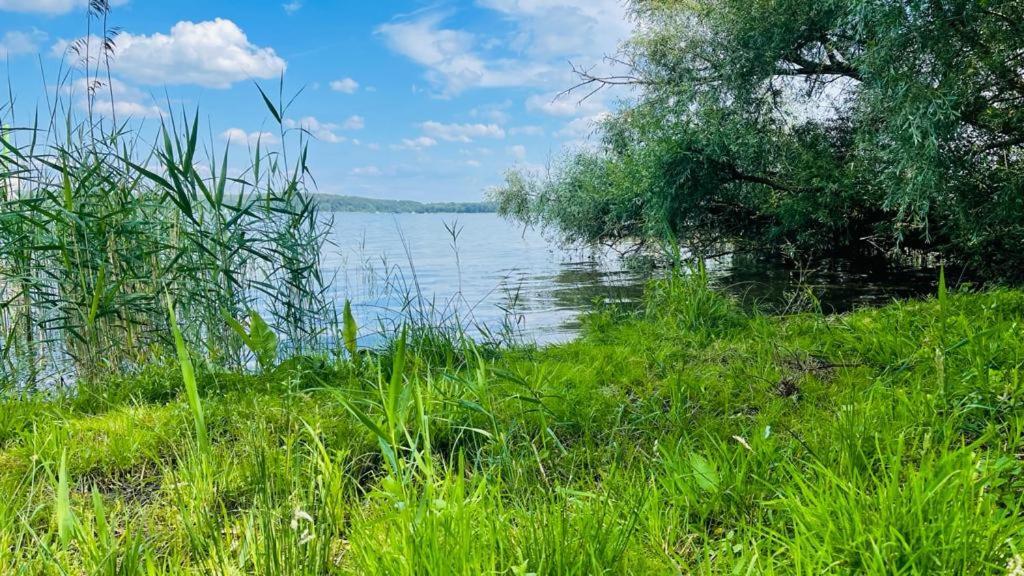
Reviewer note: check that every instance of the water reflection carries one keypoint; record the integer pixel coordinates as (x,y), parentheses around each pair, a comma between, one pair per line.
(484,270)
(839,284)
(491,273)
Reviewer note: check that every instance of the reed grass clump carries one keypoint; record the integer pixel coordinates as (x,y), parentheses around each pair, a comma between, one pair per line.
(96,226)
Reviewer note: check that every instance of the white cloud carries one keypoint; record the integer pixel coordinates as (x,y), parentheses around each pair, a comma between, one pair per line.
(345,86)
(49,6)
(354,123)
(526,131)
(214,54)
(326,131)
(366,171)
(462,132)
(497,113)
(564,105)
(292,7)
(101,87)
(473,163)
(127,109)
(420,143)
(128,101)
(561,28)
(542,36)
(239,136)
(323,131)
(518,152)
(451,59)
(581,128)
(17,42)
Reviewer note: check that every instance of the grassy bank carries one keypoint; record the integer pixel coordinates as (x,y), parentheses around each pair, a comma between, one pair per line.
(689,437)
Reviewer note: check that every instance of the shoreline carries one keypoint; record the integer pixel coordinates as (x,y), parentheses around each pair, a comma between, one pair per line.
(691,433)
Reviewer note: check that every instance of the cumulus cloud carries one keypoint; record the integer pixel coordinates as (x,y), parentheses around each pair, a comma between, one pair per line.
(559,28)
(451,59)
(125,109)
(493,112)
(214,54)
(564,105)
(583,127)
(114,98)
(345,86)
(542,36)
(292,7)
(420,143)
(18,42)
(323,131)
(119,89)
(240,136)
(366,171)
(49,6)
(526,131)
(518,152)
(354,123)
(462,132)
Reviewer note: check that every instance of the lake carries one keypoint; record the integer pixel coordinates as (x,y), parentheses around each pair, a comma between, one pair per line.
(491,274)
(488,272)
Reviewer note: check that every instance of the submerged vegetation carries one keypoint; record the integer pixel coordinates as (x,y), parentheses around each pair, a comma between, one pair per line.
(690,436)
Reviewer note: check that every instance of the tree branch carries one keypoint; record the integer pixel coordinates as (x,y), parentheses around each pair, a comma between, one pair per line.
(805,67)
(596,83)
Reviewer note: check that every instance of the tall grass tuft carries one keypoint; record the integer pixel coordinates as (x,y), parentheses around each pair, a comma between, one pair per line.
(188,376)
(96,226)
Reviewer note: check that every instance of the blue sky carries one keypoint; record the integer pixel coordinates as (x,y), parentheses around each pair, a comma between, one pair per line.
(416,100)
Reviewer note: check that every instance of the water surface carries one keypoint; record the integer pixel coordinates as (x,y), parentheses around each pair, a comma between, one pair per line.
(493,274)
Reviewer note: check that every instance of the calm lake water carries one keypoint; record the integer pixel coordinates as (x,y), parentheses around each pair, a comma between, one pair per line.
(491,273)
(480,268)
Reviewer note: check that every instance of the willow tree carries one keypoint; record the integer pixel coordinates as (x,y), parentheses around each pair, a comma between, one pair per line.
(817,126)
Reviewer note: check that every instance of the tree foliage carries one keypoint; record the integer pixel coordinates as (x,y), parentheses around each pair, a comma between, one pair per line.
(816,126)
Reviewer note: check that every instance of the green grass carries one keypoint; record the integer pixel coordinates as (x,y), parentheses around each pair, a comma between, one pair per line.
(689,437)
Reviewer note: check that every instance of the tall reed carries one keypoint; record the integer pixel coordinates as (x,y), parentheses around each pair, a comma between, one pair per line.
(96,225)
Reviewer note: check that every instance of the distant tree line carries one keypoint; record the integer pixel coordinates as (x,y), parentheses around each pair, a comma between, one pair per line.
(805,127)
(331,203)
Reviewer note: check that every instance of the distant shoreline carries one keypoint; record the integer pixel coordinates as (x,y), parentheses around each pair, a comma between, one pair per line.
(333,203)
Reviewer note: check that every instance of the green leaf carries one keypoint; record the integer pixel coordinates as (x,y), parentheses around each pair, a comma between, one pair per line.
(943,292)
(259,338)
(264,341)
(237,328)
(395,387)
(188,375)
(97,293)
(364,418)
(65,518)
(350,333)
(99,512)
(705,473)
(270,105)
